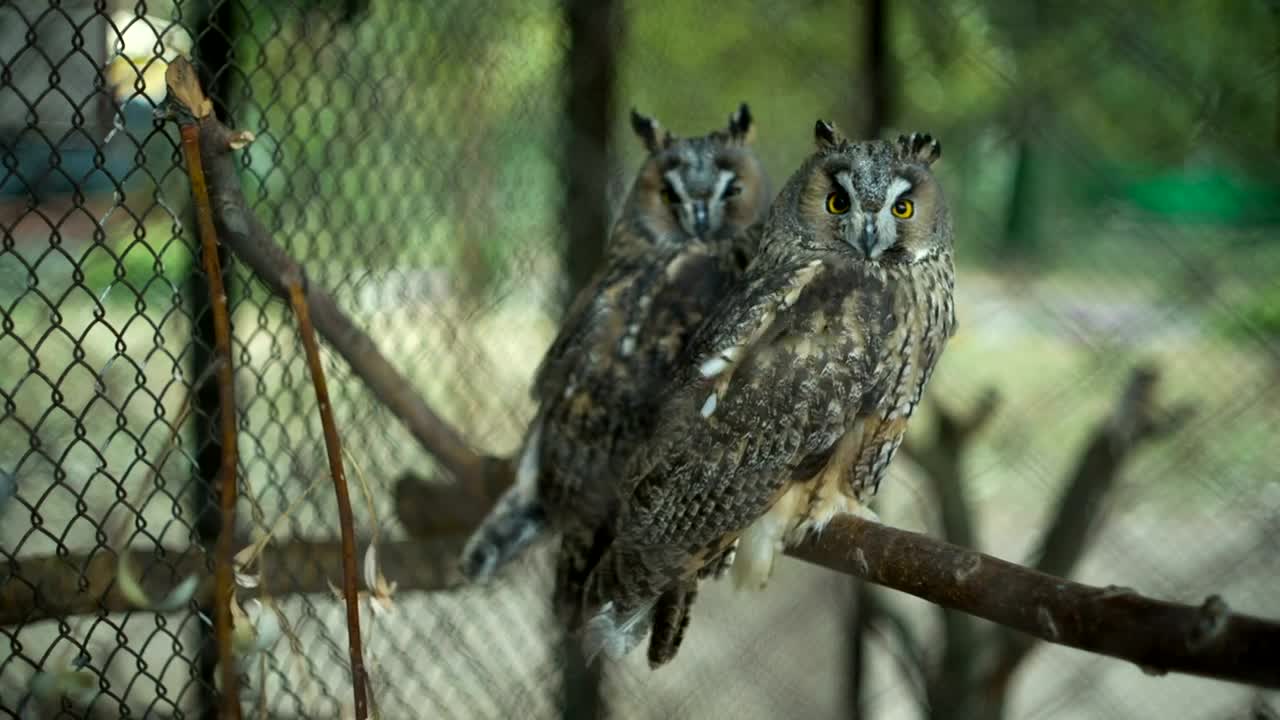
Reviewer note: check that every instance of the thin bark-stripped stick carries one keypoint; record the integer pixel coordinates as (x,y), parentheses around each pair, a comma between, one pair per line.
(333,448)
(227,418)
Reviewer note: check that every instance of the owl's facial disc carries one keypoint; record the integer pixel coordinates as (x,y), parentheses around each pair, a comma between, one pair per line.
(699,206)
(871,226)
(887,217)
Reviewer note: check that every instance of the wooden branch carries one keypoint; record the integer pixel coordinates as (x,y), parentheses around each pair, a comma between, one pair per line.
(241,231)
(1210,640)
(54,588)
(1157,635)
(590,69)
(1134,421)
(226,386)
(333,448)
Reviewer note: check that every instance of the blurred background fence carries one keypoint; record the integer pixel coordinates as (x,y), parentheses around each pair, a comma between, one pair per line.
(446,168)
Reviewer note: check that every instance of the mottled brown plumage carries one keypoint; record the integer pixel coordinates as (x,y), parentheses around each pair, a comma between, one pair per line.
(680,242)
(794,395)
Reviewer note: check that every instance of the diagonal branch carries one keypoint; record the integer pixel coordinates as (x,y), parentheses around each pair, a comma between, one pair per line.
(333,448)
(1134,421)
(241,231)
(1159,636)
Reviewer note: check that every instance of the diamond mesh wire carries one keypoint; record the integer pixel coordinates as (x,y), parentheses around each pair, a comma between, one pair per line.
(1112,174)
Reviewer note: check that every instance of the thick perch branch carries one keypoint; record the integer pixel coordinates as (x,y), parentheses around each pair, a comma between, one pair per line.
(1135,420)
(1159,636)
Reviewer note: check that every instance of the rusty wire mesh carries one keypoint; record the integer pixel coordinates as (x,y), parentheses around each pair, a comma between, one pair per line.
(408,154)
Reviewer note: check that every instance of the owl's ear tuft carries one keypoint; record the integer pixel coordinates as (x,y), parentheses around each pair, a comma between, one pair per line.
(919,147)
(827,136)
(650,131)
(742,127)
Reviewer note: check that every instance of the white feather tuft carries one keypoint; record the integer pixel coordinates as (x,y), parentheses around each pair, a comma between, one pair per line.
(713,367)
(613,634)
(709,406)
(720,362)
(757,548)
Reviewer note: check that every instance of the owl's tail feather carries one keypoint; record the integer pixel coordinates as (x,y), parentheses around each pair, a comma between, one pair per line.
(616,630)
(514,523)
(580,551)
(670,621)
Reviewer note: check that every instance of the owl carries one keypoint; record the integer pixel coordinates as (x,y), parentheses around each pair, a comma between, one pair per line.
(684,235)
(794,394)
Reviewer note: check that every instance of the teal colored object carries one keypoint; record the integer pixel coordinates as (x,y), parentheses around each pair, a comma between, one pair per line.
(1207,195)
(43,162)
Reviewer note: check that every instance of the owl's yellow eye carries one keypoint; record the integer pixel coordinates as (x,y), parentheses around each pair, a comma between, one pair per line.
(903,209)
(669,196)
(838,203)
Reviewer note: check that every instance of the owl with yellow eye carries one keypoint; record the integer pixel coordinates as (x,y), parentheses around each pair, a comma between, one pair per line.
(795,393)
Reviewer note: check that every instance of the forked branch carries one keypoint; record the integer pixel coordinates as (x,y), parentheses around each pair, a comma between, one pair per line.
(244,234)
(192,110)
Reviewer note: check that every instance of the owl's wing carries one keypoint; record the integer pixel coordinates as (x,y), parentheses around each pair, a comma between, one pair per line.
(584,318)
(591,430)
(711,469)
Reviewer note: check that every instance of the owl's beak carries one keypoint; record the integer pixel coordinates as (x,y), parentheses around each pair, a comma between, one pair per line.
(867,239)
(700,218)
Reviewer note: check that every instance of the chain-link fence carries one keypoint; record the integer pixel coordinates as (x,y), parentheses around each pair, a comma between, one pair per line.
(1115,180)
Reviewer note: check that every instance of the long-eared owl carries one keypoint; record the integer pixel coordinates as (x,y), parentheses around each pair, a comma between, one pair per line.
(684,236)
(795,392)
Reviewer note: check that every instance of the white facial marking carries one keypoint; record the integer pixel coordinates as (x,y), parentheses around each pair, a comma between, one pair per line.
(677,184)
(845,180)
(722,183)
(896,188)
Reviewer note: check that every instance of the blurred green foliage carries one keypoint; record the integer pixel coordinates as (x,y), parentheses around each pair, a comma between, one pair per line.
(433,127)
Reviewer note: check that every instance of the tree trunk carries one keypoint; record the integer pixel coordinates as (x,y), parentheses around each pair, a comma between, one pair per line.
(590,73)
(871,102)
